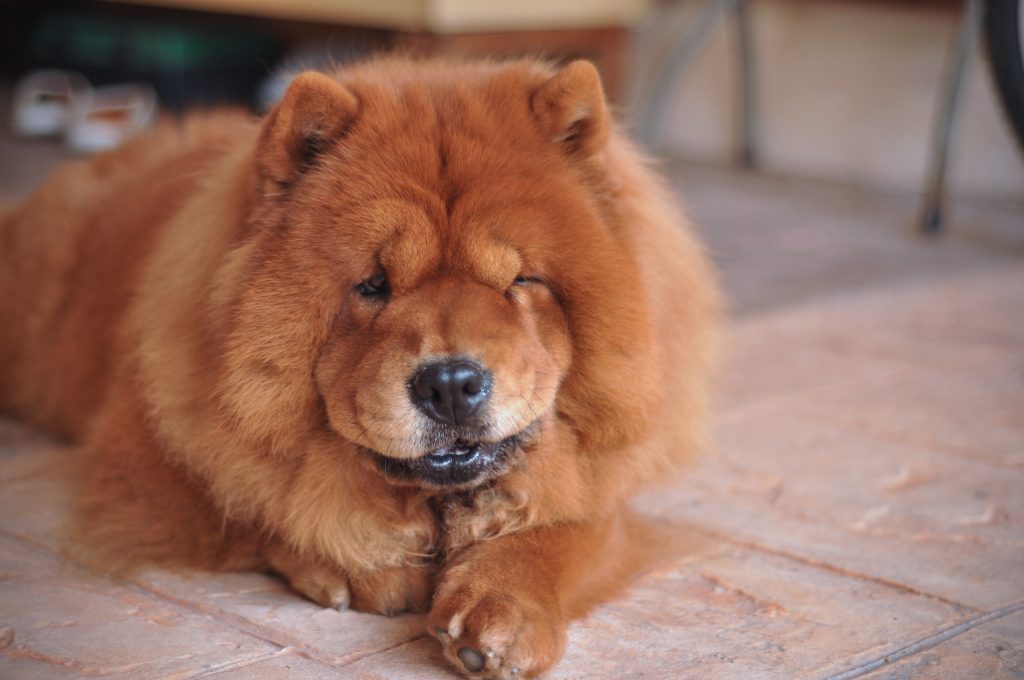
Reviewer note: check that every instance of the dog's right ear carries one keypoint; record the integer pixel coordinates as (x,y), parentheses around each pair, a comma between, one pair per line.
(315,111)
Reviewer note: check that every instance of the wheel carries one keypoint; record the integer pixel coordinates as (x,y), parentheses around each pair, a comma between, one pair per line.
(1004,37)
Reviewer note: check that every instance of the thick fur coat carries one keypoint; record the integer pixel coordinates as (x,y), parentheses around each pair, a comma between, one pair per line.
(411,341)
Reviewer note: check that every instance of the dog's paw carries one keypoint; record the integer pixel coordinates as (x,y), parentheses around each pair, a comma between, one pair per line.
(384,591)
(489,632)
(327,587)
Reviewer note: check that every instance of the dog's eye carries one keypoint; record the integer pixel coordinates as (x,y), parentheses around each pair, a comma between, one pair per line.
(374,287)
(521,281)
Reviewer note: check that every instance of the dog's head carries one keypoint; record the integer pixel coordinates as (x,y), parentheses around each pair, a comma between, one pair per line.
(438,271)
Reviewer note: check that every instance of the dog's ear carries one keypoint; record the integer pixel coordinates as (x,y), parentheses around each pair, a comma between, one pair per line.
(315,111)
(570,109)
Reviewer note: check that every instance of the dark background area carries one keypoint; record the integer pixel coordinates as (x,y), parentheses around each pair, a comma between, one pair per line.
(190,58)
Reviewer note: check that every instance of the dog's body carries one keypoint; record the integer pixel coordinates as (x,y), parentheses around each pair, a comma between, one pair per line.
(411,342)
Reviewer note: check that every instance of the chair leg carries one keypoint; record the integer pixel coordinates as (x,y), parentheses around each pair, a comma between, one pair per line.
(678,60)
(749,147)
(951,100)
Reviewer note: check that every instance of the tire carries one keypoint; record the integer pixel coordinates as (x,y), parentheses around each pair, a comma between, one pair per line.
(1004,25)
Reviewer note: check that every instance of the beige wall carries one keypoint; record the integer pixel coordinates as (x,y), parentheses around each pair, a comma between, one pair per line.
(848,92)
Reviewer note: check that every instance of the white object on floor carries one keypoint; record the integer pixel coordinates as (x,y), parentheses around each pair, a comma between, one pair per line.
(110,115)
(44,100)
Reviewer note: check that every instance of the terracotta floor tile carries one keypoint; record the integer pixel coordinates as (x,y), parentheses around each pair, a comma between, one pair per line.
(940,524)
(954,324)
(972,413)
(60,621)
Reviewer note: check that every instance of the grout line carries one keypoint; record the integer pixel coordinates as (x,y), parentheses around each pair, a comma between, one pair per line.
(382,650)
(236,664)
(34,546)
(927,642)
(826,566)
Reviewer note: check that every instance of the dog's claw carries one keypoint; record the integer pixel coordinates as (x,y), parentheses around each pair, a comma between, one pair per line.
(471,659)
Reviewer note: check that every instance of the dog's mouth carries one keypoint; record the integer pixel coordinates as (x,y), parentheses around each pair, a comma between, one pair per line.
(459,456)
(460,464)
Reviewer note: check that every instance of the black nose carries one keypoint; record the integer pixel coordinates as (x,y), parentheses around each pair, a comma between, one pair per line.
(451,392)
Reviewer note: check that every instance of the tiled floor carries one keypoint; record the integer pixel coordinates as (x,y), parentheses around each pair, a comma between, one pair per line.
(863,515)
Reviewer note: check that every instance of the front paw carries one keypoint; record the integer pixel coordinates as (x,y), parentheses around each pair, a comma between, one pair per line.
(490,629)
(387,591)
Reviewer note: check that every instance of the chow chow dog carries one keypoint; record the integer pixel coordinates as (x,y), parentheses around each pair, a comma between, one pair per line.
(410,341)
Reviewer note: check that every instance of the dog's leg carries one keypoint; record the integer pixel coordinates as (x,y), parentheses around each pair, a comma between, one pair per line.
(502,607)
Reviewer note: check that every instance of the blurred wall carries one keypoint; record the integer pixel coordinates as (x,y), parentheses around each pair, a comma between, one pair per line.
(848,91)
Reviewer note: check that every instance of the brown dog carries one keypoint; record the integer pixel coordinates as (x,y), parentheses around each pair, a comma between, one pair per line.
(411,341)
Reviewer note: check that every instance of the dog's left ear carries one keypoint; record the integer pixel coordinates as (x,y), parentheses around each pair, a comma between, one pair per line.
(315,111)
(570,109)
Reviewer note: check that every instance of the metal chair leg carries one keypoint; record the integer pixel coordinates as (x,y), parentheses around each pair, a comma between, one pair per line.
(948,118)
(748,134)
(678,60)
